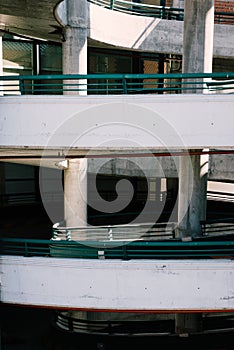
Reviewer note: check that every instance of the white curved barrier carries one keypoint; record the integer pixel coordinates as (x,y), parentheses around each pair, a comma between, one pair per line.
(156,285)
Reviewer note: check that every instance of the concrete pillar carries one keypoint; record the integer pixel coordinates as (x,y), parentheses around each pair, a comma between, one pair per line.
(197,58)
(75,207)
(75,44)
(75,193)
(192,195)
(75,62)
(198,36)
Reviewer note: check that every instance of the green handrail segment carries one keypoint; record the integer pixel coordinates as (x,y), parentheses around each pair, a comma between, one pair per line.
(171,249)
(118,83)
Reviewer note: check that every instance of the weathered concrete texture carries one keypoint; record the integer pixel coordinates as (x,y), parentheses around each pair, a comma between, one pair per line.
(221,167)
(223,41)
(198,36)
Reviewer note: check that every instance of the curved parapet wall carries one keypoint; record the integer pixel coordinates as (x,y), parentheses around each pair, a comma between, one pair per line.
(144,33)
(104,285)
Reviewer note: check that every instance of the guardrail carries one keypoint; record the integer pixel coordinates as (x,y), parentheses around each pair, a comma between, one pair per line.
(218,227)
(163,12)
(118,83)
(170,249)
(115,233)
(138,327)
(113,327)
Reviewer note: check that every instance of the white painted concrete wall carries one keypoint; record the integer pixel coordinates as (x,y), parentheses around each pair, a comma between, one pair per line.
(146,33)
(155,285)
(110,123)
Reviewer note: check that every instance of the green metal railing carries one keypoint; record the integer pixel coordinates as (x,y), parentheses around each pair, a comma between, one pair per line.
(163,12)
(169,249)
(114,233)
(118,83)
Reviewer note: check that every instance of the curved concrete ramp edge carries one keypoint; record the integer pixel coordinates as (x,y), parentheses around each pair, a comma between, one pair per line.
(143,33)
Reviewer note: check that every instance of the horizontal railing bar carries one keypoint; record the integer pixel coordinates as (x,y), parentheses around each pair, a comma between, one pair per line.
(117,83)
(177,243)
(226,75)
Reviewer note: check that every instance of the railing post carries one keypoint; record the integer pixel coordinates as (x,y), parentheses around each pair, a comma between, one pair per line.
(162,12)
(21,86)
(54,233)
(125,89)
(26,248)
(68,235)
(112,2)
(124,250)
(110,233)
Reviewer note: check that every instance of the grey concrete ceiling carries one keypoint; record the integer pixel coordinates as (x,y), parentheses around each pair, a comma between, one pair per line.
(30,18)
